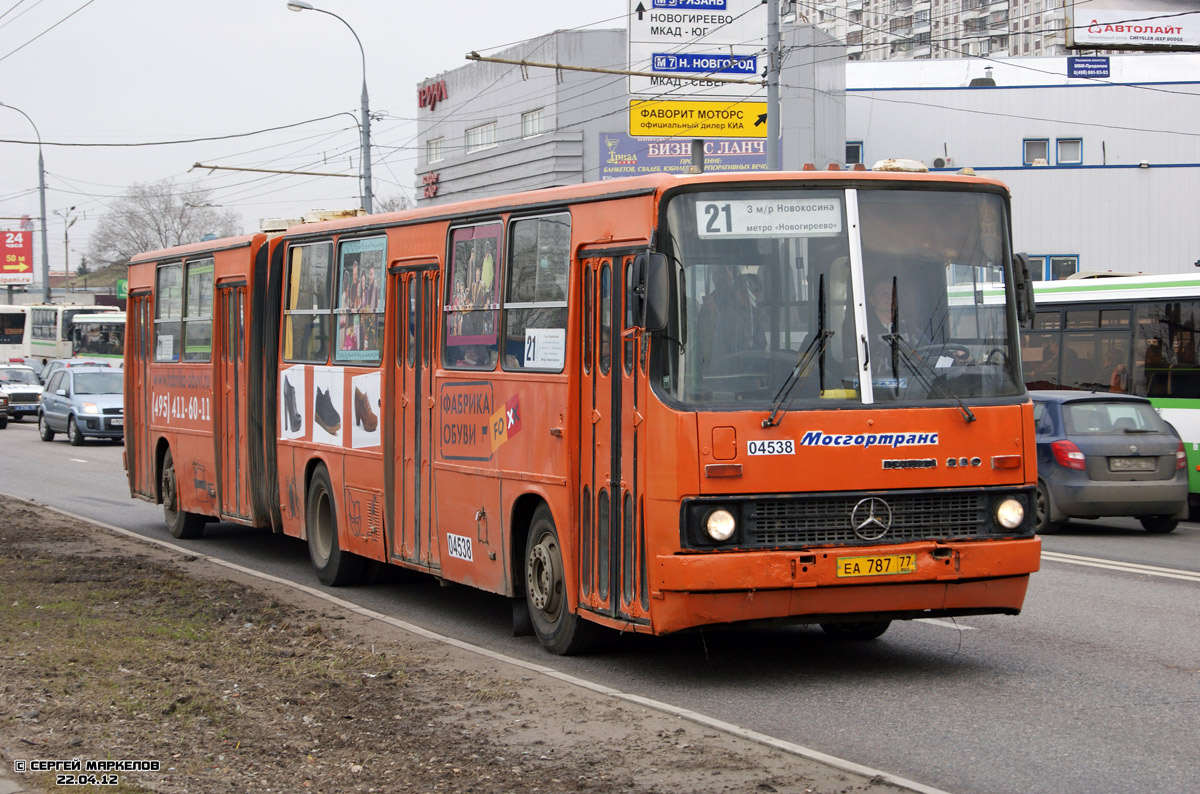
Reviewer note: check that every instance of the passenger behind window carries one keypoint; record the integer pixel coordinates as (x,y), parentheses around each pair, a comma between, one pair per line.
(727,325)
(1118,379)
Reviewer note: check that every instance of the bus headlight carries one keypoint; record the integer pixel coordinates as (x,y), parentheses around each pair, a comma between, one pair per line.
(720,525)
(1010,513)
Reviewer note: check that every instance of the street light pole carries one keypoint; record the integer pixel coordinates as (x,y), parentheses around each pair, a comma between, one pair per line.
(42,201)
(68,222)
(774,153)
(365,126)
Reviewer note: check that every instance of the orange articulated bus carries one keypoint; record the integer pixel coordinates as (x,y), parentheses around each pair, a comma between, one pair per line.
(650,404)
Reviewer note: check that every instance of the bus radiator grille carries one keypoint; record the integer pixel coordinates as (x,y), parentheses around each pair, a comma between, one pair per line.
(809,521)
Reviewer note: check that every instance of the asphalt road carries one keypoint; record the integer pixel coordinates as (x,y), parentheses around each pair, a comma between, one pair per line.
(1095,687)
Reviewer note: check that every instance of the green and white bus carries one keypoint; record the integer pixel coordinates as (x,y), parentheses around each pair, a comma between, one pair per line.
(51,330)
(99,336)
(1135,334)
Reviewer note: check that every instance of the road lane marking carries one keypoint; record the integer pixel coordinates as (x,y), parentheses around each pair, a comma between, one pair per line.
(946,624)
(1125,567)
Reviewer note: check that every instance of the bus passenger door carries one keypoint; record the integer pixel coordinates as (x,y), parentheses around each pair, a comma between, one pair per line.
(612,565)
(139,443)
(412,435)
(232,437)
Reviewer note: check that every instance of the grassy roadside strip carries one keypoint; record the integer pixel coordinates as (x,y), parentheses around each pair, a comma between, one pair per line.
(108,656)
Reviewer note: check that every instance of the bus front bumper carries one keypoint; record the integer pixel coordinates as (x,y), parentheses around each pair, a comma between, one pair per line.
(968,578)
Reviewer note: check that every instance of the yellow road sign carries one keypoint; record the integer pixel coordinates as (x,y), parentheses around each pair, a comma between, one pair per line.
(690,119)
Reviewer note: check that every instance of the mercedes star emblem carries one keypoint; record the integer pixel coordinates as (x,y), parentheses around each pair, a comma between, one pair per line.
(871,518)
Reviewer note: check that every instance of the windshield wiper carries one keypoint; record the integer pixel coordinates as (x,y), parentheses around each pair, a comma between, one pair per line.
(923,372)
(814,351)
(815,348)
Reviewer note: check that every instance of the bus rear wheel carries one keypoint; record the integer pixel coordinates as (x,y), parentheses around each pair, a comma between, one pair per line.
(560,630)
(334,567)
(180,523)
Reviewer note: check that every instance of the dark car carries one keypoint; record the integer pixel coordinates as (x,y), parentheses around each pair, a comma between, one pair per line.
(1106,454)
(83,402)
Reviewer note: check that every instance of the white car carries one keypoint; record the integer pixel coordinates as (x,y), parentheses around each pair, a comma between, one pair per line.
(24,391)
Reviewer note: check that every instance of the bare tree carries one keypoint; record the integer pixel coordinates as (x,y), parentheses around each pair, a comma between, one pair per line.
(158,215)
(393,203)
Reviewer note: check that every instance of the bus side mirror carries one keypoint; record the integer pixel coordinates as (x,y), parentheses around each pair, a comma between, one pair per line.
(655,279)
(1024,291)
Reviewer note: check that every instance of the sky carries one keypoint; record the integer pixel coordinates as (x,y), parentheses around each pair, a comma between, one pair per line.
(148,71)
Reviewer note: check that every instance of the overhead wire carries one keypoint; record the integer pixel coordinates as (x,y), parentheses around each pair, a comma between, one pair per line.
(47,30)
(18,16)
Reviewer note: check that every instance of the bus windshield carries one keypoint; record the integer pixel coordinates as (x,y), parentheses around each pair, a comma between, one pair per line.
(769,307)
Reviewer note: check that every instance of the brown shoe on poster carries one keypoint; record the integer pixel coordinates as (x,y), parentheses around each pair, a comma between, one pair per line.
(363,414)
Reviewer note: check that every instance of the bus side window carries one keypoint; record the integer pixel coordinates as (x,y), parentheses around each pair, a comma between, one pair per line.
(605,318)
(535,307)
(306,325)
(197,314)
(168,312)
(360,301)
(411,348)
(589,320)
(469,335)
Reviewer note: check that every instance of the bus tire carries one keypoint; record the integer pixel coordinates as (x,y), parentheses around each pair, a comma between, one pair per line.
(560,630)
(180,523)
(861,630)
(334,567)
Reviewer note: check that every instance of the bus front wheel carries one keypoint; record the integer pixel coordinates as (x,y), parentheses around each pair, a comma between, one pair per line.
(334,567)
(180,523)
(560,630)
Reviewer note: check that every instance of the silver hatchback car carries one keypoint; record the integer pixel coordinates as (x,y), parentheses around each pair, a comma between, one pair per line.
(83,402)
(1103,454)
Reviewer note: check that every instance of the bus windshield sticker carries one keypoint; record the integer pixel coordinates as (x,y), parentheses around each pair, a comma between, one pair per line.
(769,217)
(785,446)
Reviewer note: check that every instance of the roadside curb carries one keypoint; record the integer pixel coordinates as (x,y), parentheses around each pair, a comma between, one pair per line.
(9,786)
